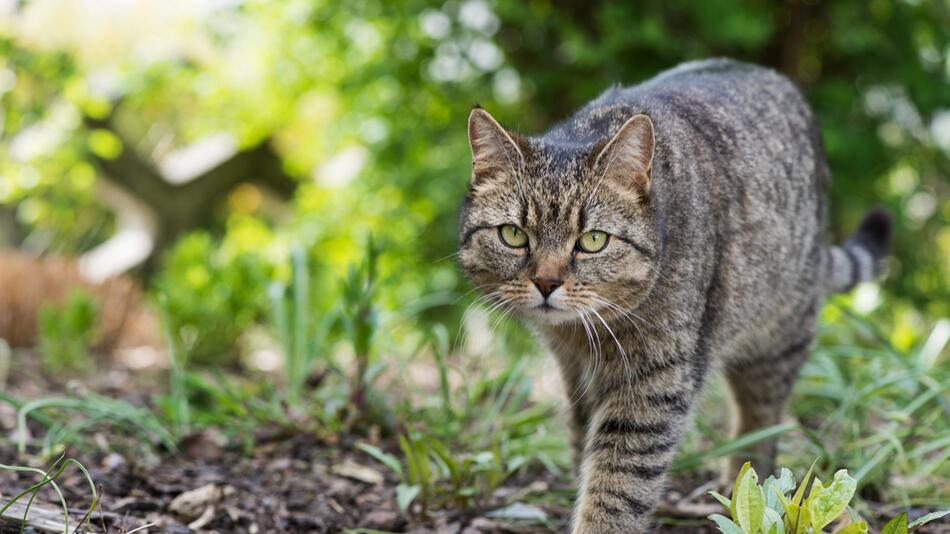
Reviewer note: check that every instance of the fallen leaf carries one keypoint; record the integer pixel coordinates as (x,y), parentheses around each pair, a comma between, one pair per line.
(521,511)
(351,469)
(191,504)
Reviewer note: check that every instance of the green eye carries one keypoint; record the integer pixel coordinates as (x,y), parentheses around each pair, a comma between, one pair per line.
(593,241)
(512,236)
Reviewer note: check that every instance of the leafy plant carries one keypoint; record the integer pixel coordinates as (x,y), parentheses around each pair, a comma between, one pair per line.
(772,508)
(212,296)
(457,458)
(67,332)
(433,476)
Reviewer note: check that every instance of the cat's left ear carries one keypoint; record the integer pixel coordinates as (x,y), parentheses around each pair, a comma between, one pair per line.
(495,153)
(627,159)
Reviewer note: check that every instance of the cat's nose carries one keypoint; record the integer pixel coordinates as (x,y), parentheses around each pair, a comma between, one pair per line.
(547,285)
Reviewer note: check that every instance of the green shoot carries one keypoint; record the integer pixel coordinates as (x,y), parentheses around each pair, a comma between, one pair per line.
(178,388)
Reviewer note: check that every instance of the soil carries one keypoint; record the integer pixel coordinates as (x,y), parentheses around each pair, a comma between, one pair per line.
(283,481)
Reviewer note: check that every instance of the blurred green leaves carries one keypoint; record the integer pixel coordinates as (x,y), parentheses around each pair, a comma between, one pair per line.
(67,333)
(212,296)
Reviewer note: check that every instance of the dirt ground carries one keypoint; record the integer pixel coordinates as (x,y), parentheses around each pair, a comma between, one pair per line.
(287,484)
(283,481)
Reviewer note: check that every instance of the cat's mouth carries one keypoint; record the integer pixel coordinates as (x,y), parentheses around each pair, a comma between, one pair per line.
(550,313)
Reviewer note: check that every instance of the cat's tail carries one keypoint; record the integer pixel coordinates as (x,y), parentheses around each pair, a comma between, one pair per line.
(859,259)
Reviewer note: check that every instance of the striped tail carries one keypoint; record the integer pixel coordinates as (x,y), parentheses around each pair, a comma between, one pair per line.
(859,258)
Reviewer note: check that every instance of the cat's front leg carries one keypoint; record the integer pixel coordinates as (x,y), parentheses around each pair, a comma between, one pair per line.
(631,441)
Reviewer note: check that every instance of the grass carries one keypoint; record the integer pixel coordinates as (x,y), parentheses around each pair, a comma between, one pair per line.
(48,479)
(861,403)
(884,412)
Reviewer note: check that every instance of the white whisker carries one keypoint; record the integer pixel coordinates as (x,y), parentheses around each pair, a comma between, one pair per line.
(588,377)
(623,353)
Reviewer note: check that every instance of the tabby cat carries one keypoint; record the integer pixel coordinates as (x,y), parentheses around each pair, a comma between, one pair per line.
(664,231)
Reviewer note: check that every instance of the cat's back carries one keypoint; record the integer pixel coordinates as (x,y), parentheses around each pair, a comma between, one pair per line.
(715,100)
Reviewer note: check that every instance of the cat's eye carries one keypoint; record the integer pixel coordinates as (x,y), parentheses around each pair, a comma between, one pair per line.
(512,236)
(593,241)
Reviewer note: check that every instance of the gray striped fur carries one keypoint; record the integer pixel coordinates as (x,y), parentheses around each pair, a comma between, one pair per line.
(711,180)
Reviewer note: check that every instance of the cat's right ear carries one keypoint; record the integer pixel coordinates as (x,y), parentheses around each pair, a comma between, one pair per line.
(495,154)
(628,157)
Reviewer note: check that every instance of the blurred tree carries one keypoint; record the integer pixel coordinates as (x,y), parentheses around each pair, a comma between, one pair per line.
(184,201)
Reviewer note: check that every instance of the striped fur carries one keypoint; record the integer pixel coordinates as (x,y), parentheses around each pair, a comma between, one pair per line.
(859,258)
(710,180)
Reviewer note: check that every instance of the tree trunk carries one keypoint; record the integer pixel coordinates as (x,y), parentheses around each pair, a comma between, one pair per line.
(179,208)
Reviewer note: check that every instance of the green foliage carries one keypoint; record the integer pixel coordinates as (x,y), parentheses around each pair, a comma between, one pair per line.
(212,296)
(786,513)
(459,461)
(877,409)
(752,512)
(390,84)
(361,318)
(300,333)
(67,333)
(898,525)
(68,419)
(177,401)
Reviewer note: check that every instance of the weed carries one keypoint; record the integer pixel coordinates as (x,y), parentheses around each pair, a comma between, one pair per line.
(457,457)
(178,394)
(98,410)
(67,332)
(301,336)
(361,319)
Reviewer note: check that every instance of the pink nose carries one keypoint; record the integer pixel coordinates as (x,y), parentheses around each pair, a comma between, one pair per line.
(547,285)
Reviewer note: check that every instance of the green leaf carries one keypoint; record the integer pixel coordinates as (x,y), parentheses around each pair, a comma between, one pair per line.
(735,489)
(786,481)
(898,525)
(772,522)
(412,470)
(726,526)
(797,519)
(749,502)
(825,503)
(920,521)
(104,144)
(382,457)
(774,488)
(405,494)
(859,527)
(723,500)
(800,494)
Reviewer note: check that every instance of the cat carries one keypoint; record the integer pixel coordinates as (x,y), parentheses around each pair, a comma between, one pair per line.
(664,231)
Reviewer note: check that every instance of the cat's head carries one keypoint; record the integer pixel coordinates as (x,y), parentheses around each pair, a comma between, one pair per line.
(553,231)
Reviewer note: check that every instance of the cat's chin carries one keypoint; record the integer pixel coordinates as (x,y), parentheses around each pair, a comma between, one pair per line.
(550,315)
